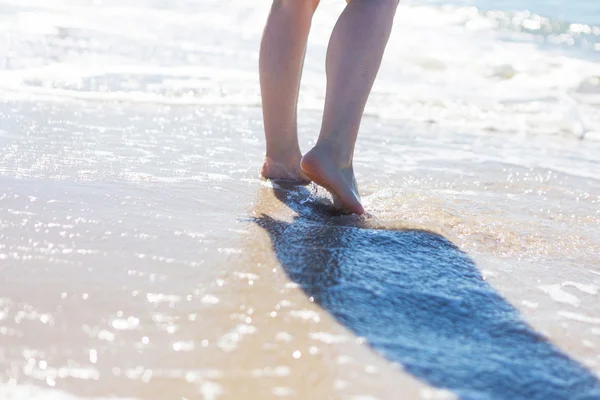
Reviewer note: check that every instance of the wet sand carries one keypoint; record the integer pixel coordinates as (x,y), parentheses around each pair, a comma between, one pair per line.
(145,259)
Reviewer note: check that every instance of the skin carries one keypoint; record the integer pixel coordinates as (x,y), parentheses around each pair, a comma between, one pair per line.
(354,56)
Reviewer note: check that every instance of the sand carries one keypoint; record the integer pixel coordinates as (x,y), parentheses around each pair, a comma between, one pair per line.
(141,256)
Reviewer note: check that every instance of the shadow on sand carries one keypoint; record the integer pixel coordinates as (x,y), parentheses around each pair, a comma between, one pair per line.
(420,301)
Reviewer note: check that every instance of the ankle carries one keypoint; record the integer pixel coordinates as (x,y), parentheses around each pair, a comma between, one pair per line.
(283,155)
(335,152)
(288,169)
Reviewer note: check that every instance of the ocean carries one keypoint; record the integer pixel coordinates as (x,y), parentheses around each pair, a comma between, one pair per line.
(142,257)
(557,11)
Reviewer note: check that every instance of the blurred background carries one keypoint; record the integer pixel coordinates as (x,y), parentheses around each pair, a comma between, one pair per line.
(520,67)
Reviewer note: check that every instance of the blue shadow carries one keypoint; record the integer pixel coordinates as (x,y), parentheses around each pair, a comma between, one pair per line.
(422,302)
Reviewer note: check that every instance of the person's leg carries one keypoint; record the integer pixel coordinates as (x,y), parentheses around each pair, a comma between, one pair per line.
(282,51)
(354,55)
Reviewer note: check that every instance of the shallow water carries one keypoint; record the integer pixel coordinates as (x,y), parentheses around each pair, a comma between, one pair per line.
(141,257)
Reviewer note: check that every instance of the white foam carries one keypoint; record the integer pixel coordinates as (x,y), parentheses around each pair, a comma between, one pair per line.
(209,299)
(129,323)
(579,317)
(229,341)
(328,338)
(26,392)
(559,295)
(307,315)
(529,304)
(157,298)
(582,287)
(184,345)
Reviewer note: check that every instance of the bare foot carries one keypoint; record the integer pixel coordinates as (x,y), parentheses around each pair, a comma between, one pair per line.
(320,167)
(288,170)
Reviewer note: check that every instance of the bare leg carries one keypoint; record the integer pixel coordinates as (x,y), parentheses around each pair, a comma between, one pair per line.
(282,51)
(354,56)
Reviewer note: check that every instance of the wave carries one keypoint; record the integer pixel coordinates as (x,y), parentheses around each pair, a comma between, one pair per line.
(551,31)
(449,65)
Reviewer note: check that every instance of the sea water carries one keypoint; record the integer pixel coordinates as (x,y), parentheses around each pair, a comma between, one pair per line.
(142,257)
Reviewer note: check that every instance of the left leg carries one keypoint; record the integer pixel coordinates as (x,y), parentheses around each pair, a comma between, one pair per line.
(282,52)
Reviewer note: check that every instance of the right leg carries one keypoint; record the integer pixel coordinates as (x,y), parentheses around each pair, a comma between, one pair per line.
(354,55)
(282,52)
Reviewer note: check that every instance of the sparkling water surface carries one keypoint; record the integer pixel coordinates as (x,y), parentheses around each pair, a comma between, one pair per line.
(141,257)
